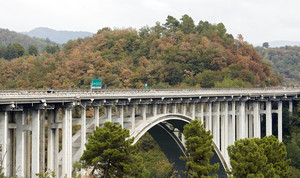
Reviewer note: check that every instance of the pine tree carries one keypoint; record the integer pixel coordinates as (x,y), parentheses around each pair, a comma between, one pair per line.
(199,150)
(258,158)
(109,152)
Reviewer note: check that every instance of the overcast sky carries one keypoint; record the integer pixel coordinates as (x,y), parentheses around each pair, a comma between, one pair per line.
(257,20)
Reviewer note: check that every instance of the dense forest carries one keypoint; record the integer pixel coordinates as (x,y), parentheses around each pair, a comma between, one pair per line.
(9,37)
(177,53)
(285,61)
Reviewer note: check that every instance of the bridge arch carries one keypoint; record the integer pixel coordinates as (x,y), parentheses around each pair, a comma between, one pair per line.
(170,144)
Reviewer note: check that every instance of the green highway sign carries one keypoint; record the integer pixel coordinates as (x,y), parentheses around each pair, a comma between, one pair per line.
(96,84)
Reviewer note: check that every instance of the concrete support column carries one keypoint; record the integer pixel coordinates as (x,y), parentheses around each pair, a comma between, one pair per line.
(250,130)
(165,108)
(27,144)
(4,141)
(154,109)
(96,116)
(67,142)
(256,119)
(193,111)
(209,117)
(42,141)
(132,117)
(201,110)
(279,112)
(20,152)
(242,118)
(216,124)
(35,151)
(53,141)
(224,129)
(291,107)
(183,108)
(108,113)
(174,108)
(83,133)
(121,115)
(268,118)
(144,116)
(233,130)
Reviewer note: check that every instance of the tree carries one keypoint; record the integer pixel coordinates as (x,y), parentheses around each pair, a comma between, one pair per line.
(256,157)
(171,24)
(265,45)
(52,49)
(32,50)
(14,51)
(109,151)
(199,150)
(187,24)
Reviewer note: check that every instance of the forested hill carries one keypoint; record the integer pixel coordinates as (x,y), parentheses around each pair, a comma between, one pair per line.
(10,37)
(285,61)
(176,53)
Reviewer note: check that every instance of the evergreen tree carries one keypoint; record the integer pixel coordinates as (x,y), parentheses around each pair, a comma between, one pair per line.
(258,158)
(110,153)
(187,24)
(32,50)
(199,150)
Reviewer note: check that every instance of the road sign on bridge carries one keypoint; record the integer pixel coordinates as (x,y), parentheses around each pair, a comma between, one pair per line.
(96,84)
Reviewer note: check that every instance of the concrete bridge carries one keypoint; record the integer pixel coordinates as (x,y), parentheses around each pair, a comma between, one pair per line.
(31,122)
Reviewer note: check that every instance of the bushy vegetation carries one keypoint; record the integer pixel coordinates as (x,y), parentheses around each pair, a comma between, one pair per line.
(177,53)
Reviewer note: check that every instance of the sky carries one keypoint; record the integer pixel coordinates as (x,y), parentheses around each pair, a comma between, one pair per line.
(257,20)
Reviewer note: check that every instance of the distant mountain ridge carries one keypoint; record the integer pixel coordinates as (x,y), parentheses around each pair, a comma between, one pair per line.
(10,37)
(280,43)
(60,37)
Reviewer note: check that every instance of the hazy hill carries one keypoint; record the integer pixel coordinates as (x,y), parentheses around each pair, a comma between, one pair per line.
(60,37)
(9,37)
(281,43)
(285,61)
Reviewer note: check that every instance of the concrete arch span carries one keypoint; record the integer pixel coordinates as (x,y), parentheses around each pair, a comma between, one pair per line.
(161,128)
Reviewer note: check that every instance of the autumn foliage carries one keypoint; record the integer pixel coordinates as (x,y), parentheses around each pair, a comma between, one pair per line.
(173,54)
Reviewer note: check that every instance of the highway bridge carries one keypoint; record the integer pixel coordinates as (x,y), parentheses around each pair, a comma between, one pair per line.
(29,118)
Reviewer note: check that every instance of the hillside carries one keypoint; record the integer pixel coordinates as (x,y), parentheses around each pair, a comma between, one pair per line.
(280,43)
(285,61)
(174,54)
(10,37)
(60,37)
